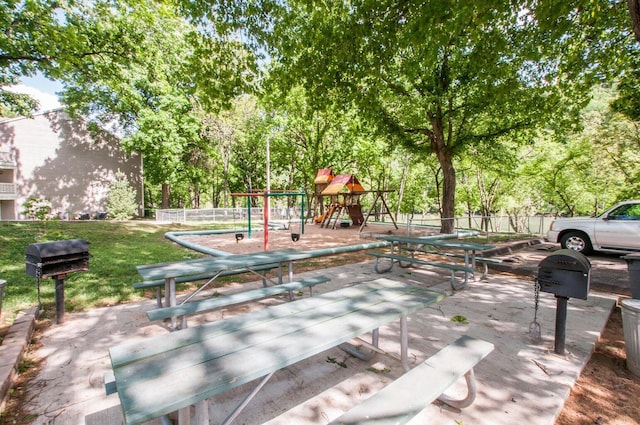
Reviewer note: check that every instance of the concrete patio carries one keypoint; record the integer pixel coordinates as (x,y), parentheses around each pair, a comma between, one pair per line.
(520,382)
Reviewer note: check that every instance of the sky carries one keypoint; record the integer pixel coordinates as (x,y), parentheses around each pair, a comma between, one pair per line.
(42,89)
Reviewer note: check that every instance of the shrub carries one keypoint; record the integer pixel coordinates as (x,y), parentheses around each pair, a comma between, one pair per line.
(37,209)
(121,199)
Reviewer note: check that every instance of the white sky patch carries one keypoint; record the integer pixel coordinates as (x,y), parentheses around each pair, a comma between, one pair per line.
(47,101)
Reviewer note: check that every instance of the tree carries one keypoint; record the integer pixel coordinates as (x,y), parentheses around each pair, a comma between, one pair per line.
(306,138)
(121,199)
(57,38)
(434,77)
(158,99)
(634,11)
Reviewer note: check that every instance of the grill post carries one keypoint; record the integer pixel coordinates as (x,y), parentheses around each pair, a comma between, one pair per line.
(59,298)
(566,274)
(561,323)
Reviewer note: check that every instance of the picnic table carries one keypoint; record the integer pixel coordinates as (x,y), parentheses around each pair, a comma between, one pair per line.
(170,372)
(438,246)
(217,266)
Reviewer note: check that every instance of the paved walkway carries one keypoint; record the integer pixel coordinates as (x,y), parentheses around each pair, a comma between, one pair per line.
(519,382)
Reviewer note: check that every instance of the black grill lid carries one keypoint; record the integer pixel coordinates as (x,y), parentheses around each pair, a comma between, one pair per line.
(566,259)
(57,248)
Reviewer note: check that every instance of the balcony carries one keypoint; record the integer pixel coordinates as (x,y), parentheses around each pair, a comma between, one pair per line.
(8,191)
(7,161)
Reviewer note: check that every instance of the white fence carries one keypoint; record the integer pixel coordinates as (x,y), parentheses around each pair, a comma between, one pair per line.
(225,215)
(536,225)
(531,225)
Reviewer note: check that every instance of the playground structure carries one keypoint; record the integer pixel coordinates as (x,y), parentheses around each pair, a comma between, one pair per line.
(266,195)
(344,192)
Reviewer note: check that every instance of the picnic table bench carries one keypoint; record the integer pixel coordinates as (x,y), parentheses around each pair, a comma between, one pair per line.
(170,372)
(485,261)
(210,304)
(411,260)
(404,398)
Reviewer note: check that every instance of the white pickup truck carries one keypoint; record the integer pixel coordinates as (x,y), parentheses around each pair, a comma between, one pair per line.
(615,230)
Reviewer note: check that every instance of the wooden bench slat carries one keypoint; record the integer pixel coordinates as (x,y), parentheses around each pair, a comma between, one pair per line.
(237,298)
(402,399)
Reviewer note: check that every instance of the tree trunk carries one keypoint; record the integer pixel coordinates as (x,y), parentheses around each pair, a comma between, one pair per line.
(445,158)
(634,11)
(403,182)
(166,191)
(447,224)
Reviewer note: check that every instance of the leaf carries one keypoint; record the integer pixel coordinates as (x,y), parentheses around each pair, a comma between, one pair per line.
(460,319)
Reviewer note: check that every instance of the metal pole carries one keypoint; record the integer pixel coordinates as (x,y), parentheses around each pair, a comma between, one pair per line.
(249,216)
(302,218)
(59,298)
(266,220)
(561,323)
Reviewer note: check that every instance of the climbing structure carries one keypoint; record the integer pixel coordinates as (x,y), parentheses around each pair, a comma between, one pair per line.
(344,192)
(322,180)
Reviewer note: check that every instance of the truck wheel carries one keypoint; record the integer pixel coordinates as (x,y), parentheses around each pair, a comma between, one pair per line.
(578,241)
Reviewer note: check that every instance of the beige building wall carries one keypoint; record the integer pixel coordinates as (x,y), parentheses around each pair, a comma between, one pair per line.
(56,158)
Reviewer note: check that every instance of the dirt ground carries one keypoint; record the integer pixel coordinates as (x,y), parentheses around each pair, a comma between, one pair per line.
(606,393)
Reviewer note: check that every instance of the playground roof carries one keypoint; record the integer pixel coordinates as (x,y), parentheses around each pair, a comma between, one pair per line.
(344,183)
(324,175)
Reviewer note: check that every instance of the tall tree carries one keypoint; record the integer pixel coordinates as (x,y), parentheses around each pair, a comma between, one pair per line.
(157,98)
(435,76)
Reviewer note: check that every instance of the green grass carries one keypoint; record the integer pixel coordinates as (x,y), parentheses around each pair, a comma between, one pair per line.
(116,249)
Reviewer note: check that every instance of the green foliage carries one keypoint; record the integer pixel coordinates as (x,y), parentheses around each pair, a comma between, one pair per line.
(460,319)
(61,39)
(476,76)
(461,107)
(37,209)
(121,199)
(628,102)
(176,75)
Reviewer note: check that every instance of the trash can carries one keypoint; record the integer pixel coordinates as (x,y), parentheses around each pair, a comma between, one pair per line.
(631,328)
(3,285)
(633,264)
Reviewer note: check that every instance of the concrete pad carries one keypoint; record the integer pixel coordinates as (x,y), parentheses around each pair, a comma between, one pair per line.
(519,382)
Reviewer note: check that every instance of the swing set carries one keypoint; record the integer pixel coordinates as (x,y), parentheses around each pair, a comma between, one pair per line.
(266,195)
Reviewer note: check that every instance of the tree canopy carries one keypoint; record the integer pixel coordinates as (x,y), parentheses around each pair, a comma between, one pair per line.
(463,89)
(439,78)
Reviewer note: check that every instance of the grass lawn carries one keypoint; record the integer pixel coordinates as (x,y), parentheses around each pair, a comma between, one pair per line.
(116,249)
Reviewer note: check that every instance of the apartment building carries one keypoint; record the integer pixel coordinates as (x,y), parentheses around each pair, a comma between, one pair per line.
(55,158)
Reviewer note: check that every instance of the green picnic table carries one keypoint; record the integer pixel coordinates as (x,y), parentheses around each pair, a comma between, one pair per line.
(170,372)
(413,244)
(216,267)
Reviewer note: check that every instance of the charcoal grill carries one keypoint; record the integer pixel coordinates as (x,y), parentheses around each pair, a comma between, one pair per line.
(566,274)
(56,260)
